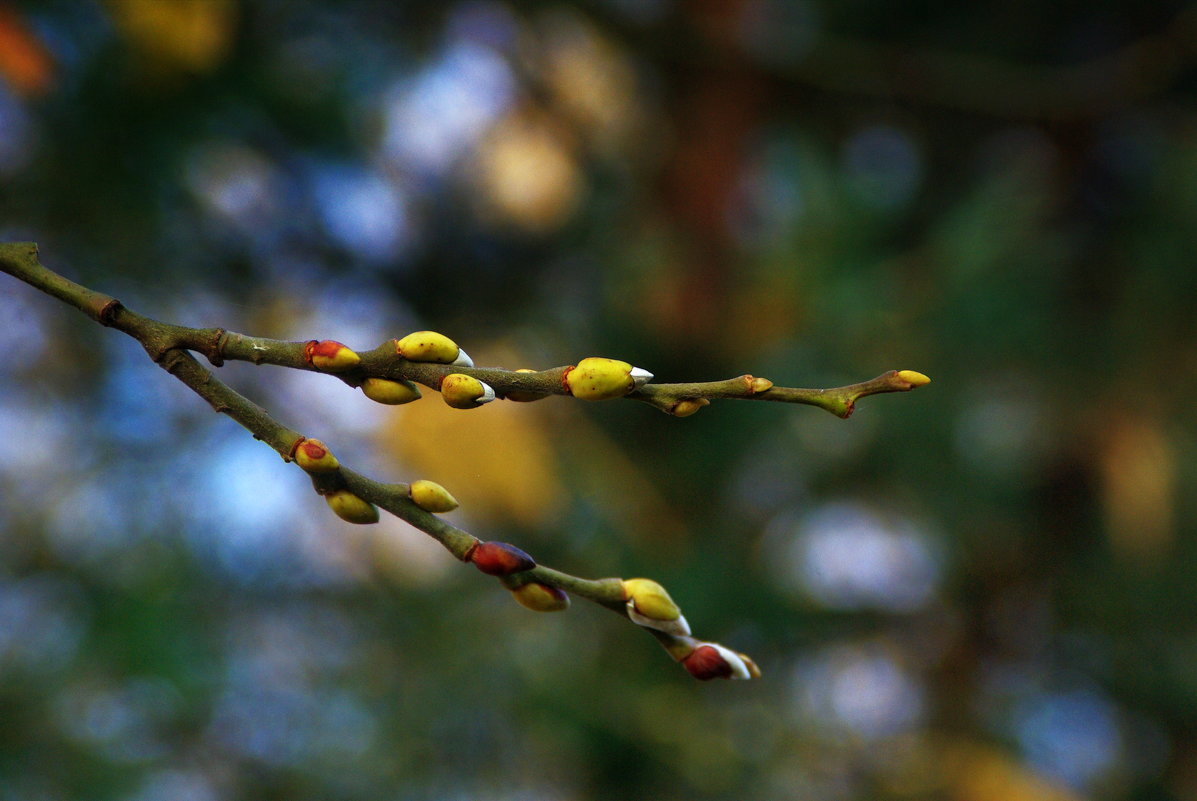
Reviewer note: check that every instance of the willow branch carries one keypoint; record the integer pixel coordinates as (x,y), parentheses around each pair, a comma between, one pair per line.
(640,600)
(219,345)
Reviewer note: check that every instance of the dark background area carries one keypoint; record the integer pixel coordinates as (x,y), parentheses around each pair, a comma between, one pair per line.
(980,591)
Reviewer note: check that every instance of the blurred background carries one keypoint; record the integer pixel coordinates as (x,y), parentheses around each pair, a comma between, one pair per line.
(981,591)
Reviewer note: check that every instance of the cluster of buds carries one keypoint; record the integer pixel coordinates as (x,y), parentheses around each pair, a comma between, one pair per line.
(330,356)
(597,378)
(463,391)
(499,558)
(431,497)
(392,393)
(429,346)
(504,560)
(649,605)
(710,660)
(316,458)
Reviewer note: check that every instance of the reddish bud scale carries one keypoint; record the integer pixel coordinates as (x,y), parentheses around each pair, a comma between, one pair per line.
(312,450)
(315,457)
(706,663)
(500,559)
(328,354)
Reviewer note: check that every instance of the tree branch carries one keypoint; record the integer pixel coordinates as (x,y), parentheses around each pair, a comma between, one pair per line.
(539,587)
(219,345)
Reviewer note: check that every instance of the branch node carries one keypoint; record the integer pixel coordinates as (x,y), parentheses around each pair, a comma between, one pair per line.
(103,309)
(169,359)
(215,351)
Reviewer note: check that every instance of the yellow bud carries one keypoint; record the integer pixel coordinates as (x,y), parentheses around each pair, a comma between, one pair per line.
(432,497)
(330,356)
(351,508)
(522,396)
(315,457)
(597,378)
(392,393)
(687,407)
(541,597)
(463,391)
(913,378)
(650,605)
(428,346)
(760,385)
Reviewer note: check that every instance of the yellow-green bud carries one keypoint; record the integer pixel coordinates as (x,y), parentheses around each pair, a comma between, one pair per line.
(598,378)
(330,356)
(757,385)
(688,406)
(463,391)
(913,378)
(432,497)
(429,346)
(351,508)
(523,396)
(392,393)
(315,457)
(650,605)
(541,597)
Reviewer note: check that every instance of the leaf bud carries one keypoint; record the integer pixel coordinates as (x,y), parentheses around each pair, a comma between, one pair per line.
(712,661)
(598,378)
(499,558)
(351,508)
(524,396)
(315,457)
(392,393)
(913,378)
(429,346)
(541,597)
(330,356)
(758,385)
(432,497)
(688,406)
(463,391)
(649,605)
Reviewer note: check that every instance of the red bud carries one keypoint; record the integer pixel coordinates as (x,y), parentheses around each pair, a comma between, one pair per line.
(500,559)
(707,663)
